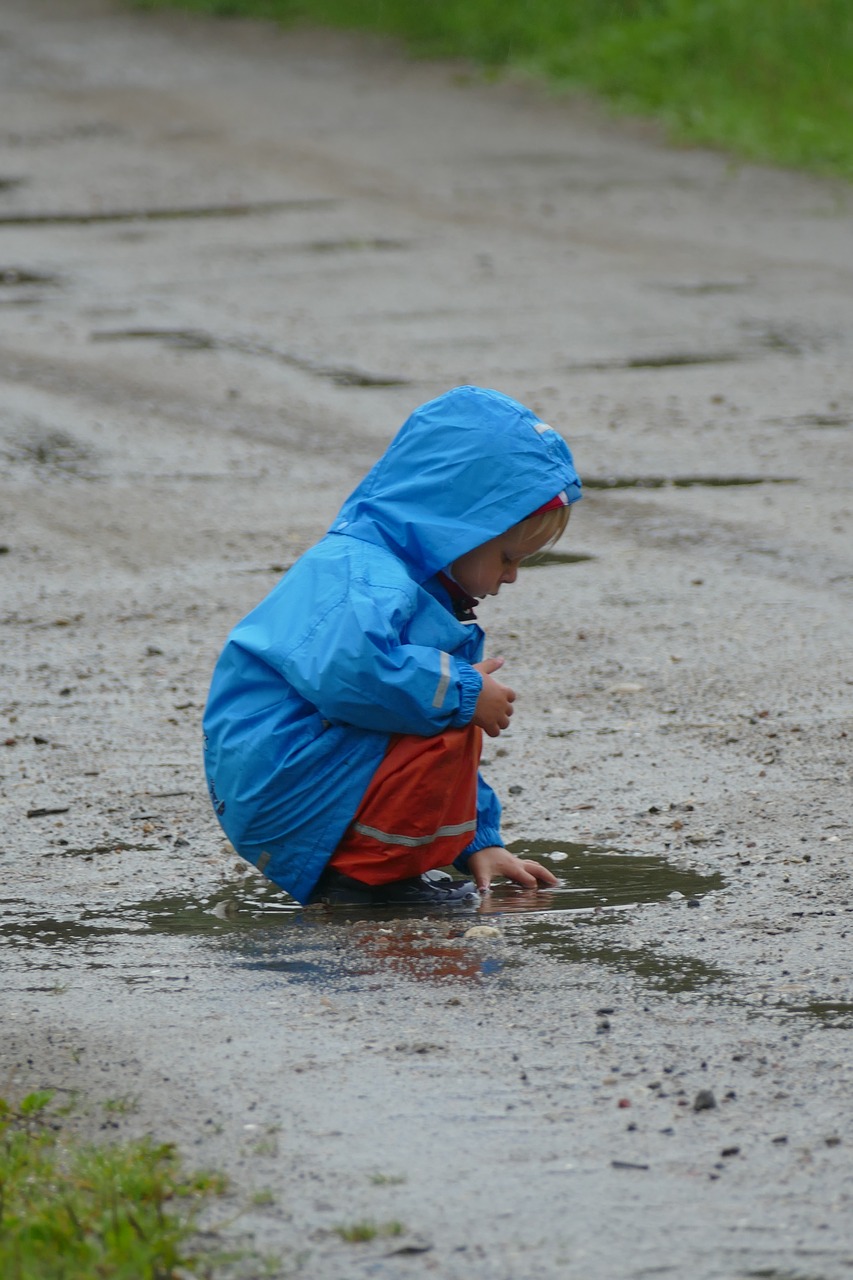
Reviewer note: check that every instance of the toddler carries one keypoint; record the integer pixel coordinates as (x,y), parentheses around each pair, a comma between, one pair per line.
(345,718)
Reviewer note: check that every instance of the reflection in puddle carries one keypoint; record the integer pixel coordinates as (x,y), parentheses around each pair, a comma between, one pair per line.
(663,972)
(264,929)
(251,924)
(595,885)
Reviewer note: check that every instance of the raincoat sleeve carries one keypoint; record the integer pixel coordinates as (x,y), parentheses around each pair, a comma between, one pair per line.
(355,667)
(488,824)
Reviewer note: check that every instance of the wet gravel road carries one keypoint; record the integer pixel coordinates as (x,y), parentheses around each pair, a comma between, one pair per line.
(231,261)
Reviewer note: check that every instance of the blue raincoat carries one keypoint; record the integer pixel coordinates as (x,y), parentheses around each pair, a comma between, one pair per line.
(359,641)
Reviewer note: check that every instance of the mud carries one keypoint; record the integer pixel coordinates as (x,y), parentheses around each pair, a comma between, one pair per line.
(231,262)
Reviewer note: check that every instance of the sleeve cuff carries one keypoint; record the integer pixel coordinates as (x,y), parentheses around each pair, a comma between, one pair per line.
(470,684)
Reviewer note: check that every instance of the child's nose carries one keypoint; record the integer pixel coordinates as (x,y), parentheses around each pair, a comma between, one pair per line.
(510,573)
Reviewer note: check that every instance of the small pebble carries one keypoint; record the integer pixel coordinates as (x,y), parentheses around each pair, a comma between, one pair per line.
(482,931)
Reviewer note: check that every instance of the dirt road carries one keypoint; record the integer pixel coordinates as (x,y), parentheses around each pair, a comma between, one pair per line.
(231,261)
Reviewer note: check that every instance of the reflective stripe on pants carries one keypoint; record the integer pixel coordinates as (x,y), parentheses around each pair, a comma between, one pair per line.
(419,811)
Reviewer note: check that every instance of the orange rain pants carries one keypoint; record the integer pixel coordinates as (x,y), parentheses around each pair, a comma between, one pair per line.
(419,811)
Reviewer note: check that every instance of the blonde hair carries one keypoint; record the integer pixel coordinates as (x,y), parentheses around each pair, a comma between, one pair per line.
(544,529)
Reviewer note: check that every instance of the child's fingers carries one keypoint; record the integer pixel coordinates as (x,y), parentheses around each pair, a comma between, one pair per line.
(488,665)
(525,879)
(530,874)
(500,862)
(519,872)
(539,873)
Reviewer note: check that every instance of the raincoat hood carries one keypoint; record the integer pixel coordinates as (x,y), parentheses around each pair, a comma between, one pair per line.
(463,469)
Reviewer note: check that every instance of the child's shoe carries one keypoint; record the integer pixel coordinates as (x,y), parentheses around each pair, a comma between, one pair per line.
(432,889)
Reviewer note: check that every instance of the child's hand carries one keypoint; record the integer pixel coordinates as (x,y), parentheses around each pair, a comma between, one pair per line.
(494,861)
(494,705)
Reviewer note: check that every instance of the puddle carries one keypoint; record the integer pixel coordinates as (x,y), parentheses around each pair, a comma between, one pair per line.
(95,129)
(680,482)
(253,925)
(241,210)
(543,558)
(244,906)
(89,852)
(264,929)
(673,974)
(15,277)
(759,340)
(377,245)
(596,884)
(832,1014)
(201,340)
(182,339)
(699,288)
(815,420)
(26,928)
(667,360)
(353,378)
(593,877)
(592,880)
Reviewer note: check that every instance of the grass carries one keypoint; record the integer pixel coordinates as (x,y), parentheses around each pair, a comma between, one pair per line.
(70,1211)
(365,1230)
(387,1179)
(125,1106)
(770,80)
(262,1199)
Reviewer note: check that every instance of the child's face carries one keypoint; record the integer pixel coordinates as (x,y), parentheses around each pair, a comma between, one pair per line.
(485,569)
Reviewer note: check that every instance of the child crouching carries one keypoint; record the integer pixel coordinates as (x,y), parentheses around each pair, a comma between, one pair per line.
(345,718)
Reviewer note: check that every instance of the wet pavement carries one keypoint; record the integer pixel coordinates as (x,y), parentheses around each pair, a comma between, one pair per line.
(231,261)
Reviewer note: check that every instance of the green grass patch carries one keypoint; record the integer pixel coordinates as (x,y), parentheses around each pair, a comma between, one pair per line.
(70,1211)
(387,1179)
(770,80)
(365,1230)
